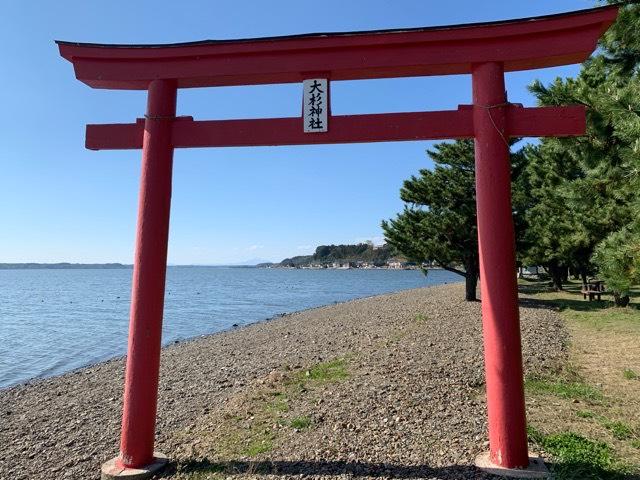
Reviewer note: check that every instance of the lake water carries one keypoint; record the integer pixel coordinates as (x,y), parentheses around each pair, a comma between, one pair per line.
(53,321)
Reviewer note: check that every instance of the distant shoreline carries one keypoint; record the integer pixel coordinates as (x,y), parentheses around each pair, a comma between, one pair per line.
(61,266)
(123,266)
(96,266)
(99,266)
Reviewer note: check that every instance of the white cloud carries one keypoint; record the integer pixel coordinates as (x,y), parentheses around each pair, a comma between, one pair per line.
(253,248)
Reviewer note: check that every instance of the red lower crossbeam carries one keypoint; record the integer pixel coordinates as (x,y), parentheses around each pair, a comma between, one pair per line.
(385,127)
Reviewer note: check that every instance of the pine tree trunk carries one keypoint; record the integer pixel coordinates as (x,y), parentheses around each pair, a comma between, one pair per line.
(471,282)
(472,270)
(556,276)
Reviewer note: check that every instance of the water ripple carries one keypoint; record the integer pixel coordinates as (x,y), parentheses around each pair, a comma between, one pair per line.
(53,321)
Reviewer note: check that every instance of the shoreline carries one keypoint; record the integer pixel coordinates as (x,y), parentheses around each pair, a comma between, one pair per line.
(416,352)
(172,343)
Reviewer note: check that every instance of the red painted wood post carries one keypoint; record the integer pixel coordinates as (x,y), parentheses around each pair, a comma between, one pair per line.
(147,294)
(500,316)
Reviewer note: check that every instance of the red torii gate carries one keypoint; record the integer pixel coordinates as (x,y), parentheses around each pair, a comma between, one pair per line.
(485,51)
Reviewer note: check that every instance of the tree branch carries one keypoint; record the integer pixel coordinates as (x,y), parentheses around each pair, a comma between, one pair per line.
(451,269)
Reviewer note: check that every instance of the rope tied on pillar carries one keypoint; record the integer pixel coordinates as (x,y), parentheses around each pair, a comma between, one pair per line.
(488,108)
(160,117)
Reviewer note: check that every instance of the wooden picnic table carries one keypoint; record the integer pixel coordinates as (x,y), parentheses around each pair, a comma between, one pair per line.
(593,289)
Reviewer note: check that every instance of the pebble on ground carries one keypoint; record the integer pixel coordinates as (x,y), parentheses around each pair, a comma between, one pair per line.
(411,407)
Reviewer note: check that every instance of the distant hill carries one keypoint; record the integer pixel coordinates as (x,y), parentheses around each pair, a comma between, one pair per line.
(61,266)
(252,262)
(328,254)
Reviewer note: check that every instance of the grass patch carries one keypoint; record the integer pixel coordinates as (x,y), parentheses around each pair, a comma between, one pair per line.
(585,414)
(278,404)
(599,315)
(533,286)
(247,438)
(578,458)
(575,390)
(605,444)
(612,319)
(257,446)
(327,372)
(420,318)
(300,423)
(619,430)
(255,421)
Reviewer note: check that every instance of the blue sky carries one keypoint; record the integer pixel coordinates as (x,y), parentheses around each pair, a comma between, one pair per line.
(60,202)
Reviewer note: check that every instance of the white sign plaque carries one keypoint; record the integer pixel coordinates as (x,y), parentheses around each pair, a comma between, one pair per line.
(314,105)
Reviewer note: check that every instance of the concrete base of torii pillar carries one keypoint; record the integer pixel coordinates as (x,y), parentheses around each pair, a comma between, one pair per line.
(536,468)
(112,470)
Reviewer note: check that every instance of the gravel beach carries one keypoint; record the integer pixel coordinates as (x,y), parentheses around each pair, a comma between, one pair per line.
(408,404)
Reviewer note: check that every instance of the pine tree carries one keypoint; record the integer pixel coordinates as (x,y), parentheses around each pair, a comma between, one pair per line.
(550,236)
(618,261)
(439,220)
(595,177)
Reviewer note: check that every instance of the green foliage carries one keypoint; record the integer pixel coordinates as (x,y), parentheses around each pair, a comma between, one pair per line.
(578,458)
(328,371)
(327,254)
(420,318)
(618,260)
(585,189)
(554,235)
(585,414)
(575,448)
(301,423)
(439,219)
(622,40)
(572,197)
(618,429)
(258,446)
(630,374)
(278,404)
(565,389)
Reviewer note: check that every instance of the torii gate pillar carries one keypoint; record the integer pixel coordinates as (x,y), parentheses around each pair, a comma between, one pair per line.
(498,283)
(147,293)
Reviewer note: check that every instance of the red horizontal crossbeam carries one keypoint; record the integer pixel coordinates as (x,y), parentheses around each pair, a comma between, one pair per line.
(518,44)
(386,127)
